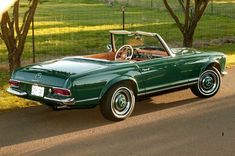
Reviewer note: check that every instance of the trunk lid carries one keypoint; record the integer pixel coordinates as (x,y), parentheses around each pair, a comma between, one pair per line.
(57,72)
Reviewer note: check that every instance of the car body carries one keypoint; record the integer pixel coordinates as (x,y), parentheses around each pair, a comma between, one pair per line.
(142,66)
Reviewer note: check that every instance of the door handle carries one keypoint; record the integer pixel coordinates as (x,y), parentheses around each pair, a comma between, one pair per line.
(145,69)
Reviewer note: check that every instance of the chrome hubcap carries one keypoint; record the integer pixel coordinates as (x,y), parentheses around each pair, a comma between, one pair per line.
(122,102)
(209,82)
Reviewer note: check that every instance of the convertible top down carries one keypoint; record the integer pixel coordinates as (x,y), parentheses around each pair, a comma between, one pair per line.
(137,64)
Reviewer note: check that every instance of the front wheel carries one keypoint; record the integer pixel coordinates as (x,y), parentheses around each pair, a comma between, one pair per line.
(208,83)
(118,103)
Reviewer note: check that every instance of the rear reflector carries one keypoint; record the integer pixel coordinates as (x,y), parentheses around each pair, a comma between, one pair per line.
(14,83)
(60,91)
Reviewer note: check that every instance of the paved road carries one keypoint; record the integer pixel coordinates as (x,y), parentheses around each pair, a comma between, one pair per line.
(171,124)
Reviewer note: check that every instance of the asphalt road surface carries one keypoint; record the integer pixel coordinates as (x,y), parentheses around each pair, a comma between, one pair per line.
(172,124)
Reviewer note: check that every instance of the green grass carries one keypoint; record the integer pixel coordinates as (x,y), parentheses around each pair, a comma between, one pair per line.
(11,102)
(79,27)
(8,101)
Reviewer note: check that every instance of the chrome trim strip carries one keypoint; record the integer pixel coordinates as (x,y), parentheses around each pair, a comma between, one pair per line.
(167,88)
(126,32)
(67,101)
(165,45)
(15,92)
(85,100)
(172,84)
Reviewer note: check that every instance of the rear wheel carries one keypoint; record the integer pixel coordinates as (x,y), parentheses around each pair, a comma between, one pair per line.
(208,83)
(118,103)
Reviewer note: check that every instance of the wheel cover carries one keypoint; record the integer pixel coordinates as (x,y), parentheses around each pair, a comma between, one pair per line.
(209,82)
(122,102)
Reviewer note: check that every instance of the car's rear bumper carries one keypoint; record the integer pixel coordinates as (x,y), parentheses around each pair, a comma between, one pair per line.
(67,101)
(16,92)
(224,73)
(64,101)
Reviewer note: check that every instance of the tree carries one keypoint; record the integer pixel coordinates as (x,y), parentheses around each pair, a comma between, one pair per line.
(193,11)
(14,33)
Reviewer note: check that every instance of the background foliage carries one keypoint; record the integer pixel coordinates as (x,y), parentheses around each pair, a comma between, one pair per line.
(78,27)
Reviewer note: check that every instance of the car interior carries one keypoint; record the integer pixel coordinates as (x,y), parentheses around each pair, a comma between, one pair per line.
(140,54)
(133,48)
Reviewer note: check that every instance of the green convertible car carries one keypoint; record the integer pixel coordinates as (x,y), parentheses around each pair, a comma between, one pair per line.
(138,64)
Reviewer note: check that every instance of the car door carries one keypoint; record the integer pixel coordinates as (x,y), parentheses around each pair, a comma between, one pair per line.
(189,66)
(159,73)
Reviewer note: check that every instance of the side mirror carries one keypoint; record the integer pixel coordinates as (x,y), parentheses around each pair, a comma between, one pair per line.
(109,47)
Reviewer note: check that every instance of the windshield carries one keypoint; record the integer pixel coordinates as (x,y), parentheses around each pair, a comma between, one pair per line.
(138,41)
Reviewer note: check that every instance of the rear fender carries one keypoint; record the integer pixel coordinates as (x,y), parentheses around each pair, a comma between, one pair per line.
(116,81)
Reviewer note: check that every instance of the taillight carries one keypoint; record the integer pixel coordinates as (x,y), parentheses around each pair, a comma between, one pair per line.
(60,91)
(14,83)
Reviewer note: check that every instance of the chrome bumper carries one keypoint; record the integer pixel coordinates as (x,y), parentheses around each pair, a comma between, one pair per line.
(224,73)
(67,101)
(15,92)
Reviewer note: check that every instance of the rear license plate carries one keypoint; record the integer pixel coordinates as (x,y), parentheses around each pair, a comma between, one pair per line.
(37,91)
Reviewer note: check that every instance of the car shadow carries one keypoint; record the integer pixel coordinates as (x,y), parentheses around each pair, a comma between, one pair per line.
(149,105)
(39,122)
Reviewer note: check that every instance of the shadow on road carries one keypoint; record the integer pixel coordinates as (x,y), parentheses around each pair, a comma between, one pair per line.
(150,105)
(39,122)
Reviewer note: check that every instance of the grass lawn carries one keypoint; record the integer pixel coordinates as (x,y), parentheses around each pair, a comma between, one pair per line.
(8,101)
(78,27)
(11,102)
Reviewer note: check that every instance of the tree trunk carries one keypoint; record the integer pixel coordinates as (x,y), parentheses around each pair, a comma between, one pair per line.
(188,39)
(14,60)
(193,12)
(14,34)
(14,64)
